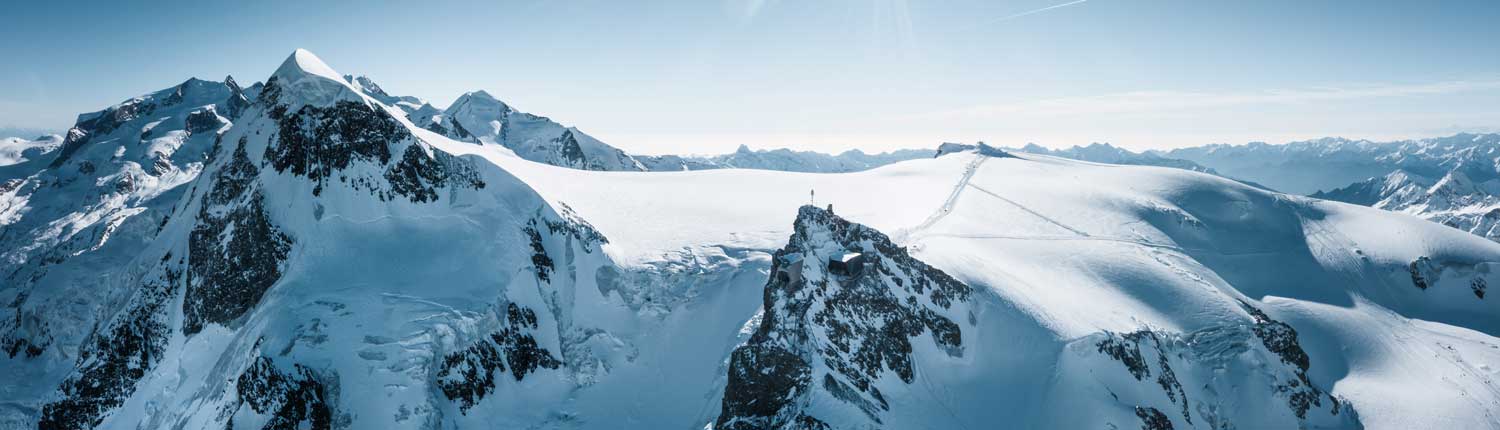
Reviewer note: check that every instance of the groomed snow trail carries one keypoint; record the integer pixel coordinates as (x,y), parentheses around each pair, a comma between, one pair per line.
(947,207)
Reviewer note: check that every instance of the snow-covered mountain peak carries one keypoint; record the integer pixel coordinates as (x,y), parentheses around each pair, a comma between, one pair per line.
(15,150)
(481,95)
(304,79)
(368,87)
(1454,182)
(304,62)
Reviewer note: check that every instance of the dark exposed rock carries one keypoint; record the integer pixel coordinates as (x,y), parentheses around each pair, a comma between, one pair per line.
(576,228)
(320,142)
(415,175)
(540,261)
(467,376)
(113,360)
(99,124)
(418,176)
(1152,419)
(1478,285)
(1126,348)
(572,153)
(295,399)
(316,142)
(436,127)
(238,101)
(203,120)
(1281,339)
(461,133)
(26,333)
(235,252)
(763,379)
(1418,269)
(869,319)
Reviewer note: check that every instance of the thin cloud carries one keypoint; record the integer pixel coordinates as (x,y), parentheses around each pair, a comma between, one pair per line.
(1174,101)
(1018,15)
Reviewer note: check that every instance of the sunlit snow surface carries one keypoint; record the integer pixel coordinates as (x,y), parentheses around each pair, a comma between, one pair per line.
(377,293)
(1080,247)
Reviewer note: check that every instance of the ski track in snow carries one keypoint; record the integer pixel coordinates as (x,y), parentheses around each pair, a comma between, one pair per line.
(1028,210)
(947,207)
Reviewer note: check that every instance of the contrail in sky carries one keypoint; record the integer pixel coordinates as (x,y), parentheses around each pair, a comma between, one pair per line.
(1029,12)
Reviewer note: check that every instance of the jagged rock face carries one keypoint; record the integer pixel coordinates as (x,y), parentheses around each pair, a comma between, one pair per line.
(236,253)
(1427,273)
(842,329)
(1211,378)
(280,399)
(117,355)
(214,246)
(73,214)
(320,142)
(468,376)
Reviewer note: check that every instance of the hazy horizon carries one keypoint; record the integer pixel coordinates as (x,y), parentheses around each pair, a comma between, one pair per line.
(706,77)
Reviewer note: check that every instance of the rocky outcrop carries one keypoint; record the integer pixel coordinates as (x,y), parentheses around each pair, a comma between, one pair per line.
(1176,380)
(844,328)
(467,376)
(118,355)
(283,399)
(235,252)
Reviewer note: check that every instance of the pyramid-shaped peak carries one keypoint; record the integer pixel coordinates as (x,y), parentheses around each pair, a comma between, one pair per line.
(481,94)
(303,63)
(304,79)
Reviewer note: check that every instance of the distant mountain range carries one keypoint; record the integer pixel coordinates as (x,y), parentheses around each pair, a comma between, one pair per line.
(312,252)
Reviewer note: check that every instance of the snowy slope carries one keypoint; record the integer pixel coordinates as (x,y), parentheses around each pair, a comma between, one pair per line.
(368,87)
(480,118)
(15,150)
(73,219)
(1069,252)
(335,265)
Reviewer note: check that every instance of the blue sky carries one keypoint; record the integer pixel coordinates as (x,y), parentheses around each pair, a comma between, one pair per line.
(704,76)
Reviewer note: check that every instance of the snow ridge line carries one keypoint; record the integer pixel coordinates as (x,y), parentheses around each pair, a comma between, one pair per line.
(947,207)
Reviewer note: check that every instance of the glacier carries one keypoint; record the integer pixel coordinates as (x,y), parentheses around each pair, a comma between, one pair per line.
(307,253)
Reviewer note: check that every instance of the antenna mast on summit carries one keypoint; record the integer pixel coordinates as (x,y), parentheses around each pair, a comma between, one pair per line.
(812,197)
